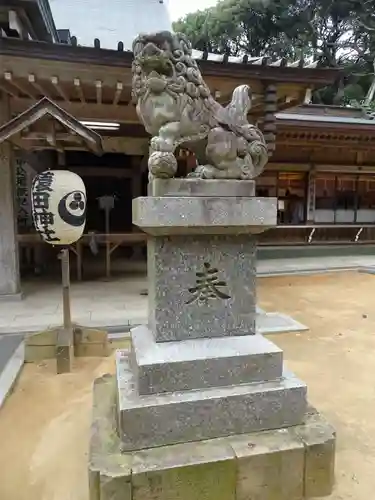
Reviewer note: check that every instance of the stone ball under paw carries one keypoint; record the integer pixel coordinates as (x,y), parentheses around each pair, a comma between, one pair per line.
(162,165)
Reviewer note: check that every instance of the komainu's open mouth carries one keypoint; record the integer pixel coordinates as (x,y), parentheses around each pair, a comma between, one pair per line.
(155,63)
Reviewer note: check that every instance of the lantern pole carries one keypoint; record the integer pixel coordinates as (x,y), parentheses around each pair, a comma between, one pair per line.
(65,344)
(107,244)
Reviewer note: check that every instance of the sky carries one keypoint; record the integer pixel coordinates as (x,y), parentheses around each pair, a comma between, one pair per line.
(124,21)
(179,8)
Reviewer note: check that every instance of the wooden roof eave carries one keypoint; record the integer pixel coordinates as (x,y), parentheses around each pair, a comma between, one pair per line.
(46,107)
(307,76)
(326,127)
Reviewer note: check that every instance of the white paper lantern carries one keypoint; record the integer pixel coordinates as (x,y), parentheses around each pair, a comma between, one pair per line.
(59,206)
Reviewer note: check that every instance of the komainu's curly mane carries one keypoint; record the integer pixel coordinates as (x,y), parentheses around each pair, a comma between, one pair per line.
(176,106)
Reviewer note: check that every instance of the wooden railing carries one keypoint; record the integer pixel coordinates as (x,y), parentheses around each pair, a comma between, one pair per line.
(278,236)
(319,234)
(109,241)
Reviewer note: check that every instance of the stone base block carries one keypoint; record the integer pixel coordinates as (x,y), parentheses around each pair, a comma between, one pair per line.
(319,439)
(295,463)
(88,342)
(13,297)
(169,418)
(275,322)
(109,469)
(185,302)
(270,465)
(168,215)
(64,358)
(202,363)
(37,353)
(192,187)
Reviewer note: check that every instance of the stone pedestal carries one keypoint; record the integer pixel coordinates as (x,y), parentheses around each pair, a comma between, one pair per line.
(198,363)
(204,406)
(201,256)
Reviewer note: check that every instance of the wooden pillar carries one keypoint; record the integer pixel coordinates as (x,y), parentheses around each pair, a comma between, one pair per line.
(136,180)
(9,263)
(310,208)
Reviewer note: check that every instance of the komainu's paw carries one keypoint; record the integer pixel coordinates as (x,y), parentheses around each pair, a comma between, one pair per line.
(204,172)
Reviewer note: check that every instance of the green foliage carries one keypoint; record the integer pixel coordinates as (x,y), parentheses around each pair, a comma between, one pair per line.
(336,32)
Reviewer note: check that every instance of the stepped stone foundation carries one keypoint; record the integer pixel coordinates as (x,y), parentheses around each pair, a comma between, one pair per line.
(294,463)
(202,407)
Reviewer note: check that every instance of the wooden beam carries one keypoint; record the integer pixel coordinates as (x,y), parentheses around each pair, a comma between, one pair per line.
(119,88)
(51,136)
(99,93)
(38,147)
(287,167)
(59,88)
(321,143)
(7,90)
(77,84)
(101,172)
(9,78)
(318,167)
(87,111)
(283,105)
(127,145)
(59,137)
(44,68)
(37,86)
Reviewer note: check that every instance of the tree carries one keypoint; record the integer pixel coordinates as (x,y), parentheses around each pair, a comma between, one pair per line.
(334,32)
(244,26)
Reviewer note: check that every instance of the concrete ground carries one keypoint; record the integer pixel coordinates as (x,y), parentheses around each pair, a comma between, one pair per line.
(93,303)
(44,425)
(119,303)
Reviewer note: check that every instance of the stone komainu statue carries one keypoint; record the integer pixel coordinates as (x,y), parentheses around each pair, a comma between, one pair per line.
(176,107)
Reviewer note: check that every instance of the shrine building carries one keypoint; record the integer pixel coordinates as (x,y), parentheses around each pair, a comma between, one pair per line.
(66,76)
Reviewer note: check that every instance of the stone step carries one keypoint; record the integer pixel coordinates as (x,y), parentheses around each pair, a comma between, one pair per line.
(177,417)
(202,363)
(276,322)
(12,357)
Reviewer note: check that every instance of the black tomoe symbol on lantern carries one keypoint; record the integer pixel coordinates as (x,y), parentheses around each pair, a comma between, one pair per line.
(72,208)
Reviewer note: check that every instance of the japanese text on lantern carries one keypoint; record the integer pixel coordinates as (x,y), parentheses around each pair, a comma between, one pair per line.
(207,286)
(44,219)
